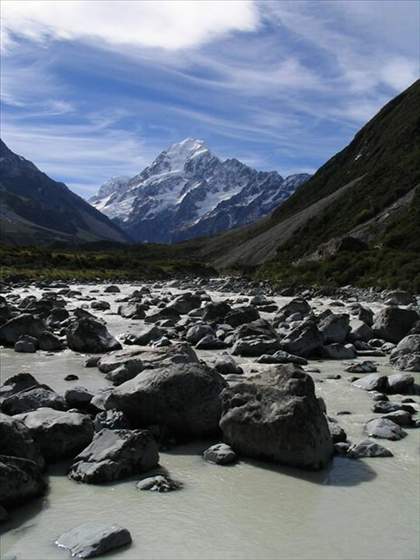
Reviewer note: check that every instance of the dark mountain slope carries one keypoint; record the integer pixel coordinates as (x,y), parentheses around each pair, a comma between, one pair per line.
(353,189)
(34,209)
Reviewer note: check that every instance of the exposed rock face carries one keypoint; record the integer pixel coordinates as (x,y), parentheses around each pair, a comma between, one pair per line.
(58,434)
(17,441)
(91,336)
(93,539)
(393,323)
(406,355)
(115,454)
(25,324)
(20,480)
(276,416)
(188,192)
(183,399)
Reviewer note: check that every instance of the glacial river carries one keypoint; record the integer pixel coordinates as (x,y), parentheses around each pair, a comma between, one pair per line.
(365,509)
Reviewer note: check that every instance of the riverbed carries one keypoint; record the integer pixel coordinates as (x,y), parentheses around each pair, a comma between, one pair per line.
(364,509)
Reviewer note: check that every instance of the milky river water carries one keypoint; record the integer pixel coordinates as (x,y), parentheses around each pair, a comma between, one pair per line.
(365,509)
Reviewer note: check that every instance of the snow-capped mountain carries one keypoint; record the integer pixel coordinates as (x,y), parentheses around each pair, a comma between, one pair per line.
(188,192)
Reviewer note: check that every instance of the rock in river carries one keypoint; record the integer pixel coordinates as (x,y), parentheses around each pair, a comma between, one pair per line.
(90,336)
(220,454)
(115,454)
(183,399)
(276,416)
(20,480)
(368,448)
(93,539)
(384,428)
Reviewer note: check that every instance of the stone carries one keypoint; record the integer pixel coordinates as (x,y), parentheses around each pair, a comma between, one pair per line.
(112,290)
(400,297)
(401,383)
(372,382)
(71,377)
(145,336)
(303,340)
(20,480)
(93,538)
(78,397)
(25,324)
(26,344)
(406,355)
(100,305)
(368,448)
(132,310)
(210,342)
(337,351)
(297,305)
(220,454)
(215,312)
(334,328)
(241,315)
(49,342)
(164,313)
(90,336)
(31,398)
(182,399)
(393,323)
(362,367)
(114,455)
(186,302)
(225,365)
(400,417)
(112,420)
(385,407)
(276,416)
(337,432)
(281,357)
(255,346)
(158,483)
(17,441)
(59,434)
(383,428)
(198,332)
(92,361)
(360,330)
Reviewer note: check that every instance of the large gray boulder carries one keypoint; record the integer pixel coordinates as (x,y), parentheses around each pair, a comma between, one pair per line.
(334,328)
(297,306)
(303,340)
(255,346)
(144,336)
(406,355)
(58,434)
(182,399)
(368,448)
(20,480)
(132,310)
(25,324)
(384,428)
(399,297)
(393,323)
(220,454)
(401,383)
(115,454)
(22,393)
(360,331)
(241,315)
(185,303)
(372,382)
(148,358)
(90,336)
(93,539)
(17,441)
(197,332)
(276,416)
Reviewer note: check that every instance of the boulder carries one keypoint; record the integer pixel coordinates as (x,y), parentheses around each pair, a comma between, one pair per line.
(362,367)
(383,428)
(28,398)
(112,420)
(303,340)
(255,346)
(25,324)
(90,336)
(93,539)
(337,432)
(368,448)
(17,441)
(337,351)
(158,483)
(26,344)
(360,331)
(20,480)
(186,302)
(164,313)
(215,312)
(281,357)
(78,397)
(400,417)
(220,454)
(147,358)
(59,434)
(334,328)
(296,306)
(276,416)
(401,383)
(132,310)
(406,355)
(49,342)
(400,297)
(112,289)
(100,305)
(372,382)
(182,399)
(114,455)
(197,332)
(225,364)
(210,342)
(241,315)
(393,323)
(144,336)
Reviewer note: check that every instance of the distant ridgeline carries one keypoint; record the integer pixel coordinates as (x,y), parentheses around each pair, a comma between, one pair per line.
(357,220)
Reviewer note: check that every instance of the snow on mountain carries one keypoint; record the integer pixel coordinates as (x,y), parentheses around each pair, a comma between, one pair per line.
(187,192)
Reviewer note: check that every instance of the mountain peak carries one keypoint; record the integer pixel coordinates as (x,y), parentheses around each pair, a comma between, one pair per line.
(179,153)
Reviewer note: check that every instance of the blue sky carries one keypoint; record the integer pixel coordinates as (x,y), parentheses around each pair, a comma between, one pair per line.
(94,89)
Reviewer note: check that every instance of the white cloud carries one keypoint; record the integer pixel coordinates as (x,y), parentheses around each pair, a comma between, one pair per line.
(167,24)
(399,73)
